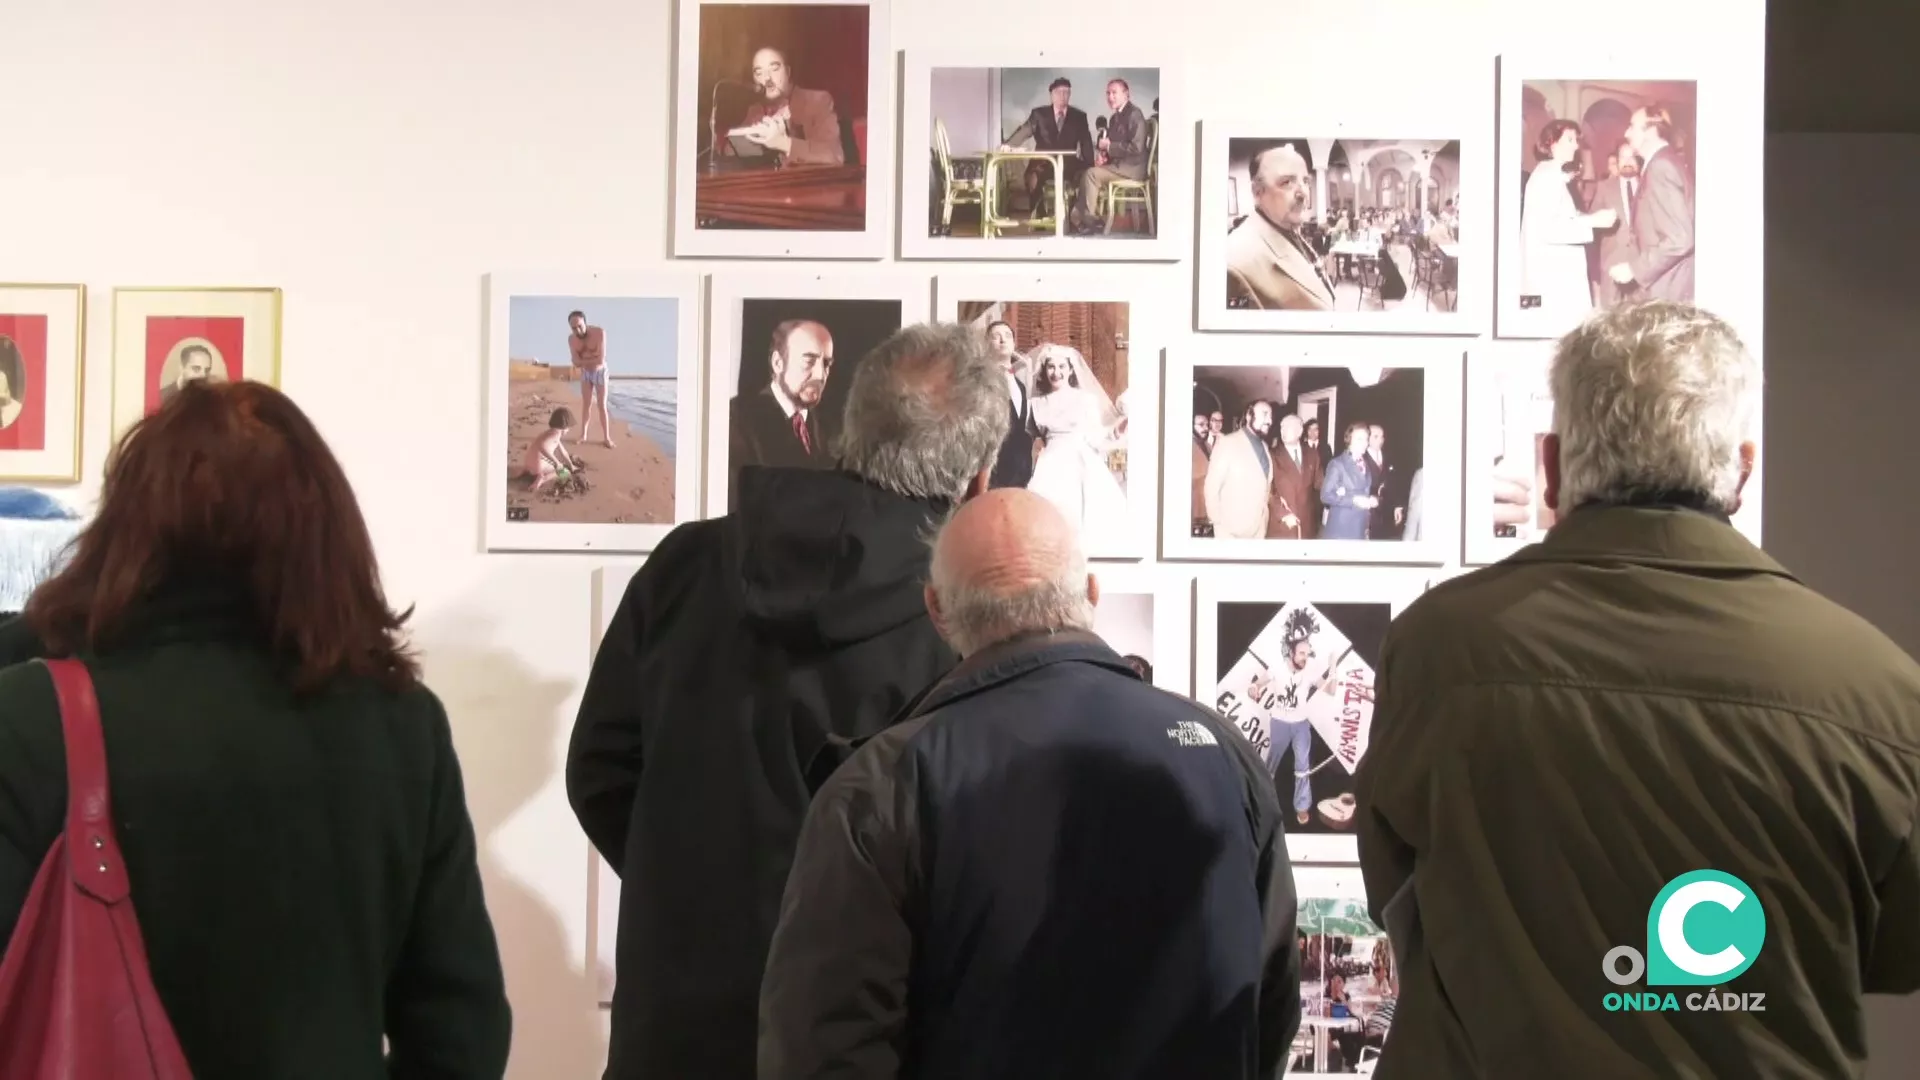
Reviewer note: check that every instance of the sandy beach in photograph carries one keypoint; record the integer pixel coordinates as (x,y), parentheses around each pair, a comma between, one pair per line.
(629,484)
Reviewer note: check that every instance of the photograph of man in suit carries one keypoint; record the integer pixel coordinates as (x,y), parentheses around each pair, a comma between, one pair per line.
(1662,264)
(1014,466)
(1239,487)
(1290,514)
(196,365)
(1347,490)
(1056,126)
(779,424)
(1391,511)
(1121,153)
(1269,264)
(799,126)
(1614,245)
(1203,442)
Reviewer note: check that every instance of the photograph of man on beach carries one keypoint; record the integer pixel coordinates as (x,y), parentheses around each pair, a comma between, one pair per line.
(593,391)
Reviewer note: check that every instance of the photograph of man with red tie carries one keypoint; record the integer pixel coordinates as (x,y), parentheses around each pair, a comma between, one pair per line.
(779,423)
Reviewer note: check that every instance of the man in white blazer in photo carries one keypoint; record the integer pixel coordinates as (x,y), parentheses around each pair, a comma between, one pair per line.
(1240,477)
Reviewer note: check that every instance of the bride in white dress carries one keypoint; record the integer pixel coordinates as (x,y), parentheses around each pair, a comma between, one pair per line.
(1078,425)
(1554,234)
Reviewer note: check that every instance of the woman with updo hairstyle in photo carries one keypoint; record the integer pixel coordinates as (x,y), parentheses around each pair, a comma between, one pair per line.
(288,804)
(1554,232)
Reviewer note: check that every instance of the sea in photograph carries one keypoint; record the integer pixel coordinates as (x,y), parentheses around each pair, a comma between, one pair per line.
(649,406)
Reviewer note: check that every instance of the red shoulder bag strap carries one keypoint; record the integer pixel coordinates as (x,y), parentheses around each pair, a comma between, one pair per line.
(94,848)
(99,870)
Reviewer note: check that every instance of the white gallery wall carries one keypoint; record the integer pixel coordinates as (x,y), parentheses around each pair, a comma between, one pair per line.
(374,160)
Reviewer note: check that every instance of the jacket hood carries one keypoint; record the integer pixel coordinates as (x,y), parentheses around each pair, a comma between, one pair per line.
(825,558)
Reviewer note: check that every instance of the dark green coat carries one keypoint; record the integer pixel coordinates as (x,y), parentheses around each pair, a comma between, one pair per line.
(304,871)
(1557,737)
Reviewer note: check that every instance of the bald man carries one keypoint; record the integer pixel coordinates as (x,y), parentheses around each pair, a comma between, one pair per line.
(779,424)
(1065,871)
(1269,264)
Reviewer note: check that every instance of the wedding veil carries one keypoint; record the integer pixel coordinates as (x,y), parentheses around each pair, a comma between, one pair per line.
(1076,364)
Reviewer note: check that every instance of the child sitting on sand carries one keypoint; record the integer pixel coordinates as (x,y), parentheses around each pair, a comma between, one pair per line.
(547,458)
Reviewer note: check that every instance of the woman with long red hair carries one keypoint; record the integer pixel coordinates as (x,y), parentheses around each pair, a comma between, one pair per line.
(285,791)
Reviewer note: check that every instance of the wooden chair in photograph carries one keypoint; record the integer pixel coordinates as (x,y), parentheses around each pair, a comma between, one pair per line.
(1137,194)
(962,181)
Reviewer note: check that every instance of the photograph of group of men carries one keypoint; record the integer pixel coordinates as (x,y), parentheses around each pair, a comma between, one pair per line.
(1308,453)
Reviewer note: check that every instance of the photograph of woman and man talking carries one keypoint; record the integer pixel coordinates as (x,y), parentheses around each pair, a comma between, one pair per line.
(1607,205)
(1067,384)
(1308,453)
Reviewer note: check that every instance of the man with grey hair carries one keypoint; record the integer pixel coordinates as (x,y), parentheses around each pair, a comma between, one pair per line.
(745,648)
(1269,263)
(1046,868)
(1640,717)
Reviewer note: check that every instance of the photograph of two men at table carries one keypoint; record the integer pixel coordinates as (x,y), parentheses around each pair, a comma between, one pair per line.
(1097,125)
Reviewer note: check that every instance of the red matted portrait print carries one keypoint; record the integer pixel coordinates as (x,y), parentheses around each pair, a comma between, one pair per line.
(23,382)
(184,349)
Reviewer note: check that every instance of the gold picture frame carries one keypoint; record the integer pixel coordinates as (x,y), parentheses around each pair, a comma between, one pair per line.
(165,336)
(43,352)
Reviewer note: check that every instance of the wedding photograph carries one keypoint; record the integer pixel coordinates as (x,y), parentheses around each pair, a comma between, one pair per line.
(1349,983)
(1597,181)
(1318,461)
(1317,231)
(1290,663)
(165,338)
(781,110)
(1037,155)
(593,411)
(42,366)
(784,351)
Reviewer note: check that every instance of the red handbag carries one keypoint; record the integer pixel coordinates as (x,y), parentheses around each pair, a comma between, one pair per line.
(76,999)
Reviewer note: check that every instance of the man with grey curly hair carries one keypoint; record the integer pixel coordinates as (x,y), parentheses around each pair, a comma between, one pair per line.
(1640,717)
(1077,874)
(746,653)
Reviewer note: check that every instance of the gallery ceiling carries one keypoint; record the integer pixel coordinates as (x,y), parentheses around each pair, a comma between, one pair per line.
(1842,66)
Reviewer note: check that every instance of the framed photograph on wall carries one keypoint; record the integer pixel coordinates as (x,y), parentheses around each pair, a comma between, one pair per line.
(1347,976)
(1334,450)
(1022,154)
(1289,660)
(1082,358)
(165,338)
(1341,229)
(603,884)
(1598,170)
(783,144)
(1509,413)
(784,348)
(593,410)
(43,333)
(1146,615)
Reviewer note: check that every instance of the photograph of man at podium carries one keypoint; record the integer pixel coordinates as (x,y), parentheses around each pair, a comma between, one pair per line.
(782,117)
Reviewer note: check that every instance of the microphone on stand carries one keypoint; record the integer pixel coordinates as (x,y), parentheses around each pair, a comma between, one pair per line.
(713,122)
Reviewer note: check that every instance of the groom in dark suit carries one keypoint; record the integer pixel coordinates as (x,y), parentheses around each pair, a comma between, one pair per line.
(779,423)
(1662,264)
(1014,466)
(1055,126)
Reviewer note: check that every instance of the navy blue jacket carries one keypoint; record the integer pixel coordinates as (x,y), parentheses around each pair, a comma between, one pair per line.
(1048,869)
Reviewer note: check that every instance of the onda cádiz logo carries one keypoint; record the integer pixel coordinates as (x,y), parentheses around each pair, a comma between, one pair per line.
(1704,929)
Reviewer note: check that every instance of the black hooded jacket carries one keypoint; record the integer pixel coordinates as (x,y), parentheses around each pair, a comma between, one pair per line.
(745,648)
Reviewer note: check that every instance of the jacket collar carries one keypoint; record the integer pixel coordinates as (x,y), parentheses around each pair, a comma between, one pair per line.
(1010,660)
(1650,535)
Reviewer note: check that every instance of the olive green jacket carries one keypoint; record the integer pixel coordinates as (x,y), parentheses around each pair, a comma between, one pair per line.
(1557,737)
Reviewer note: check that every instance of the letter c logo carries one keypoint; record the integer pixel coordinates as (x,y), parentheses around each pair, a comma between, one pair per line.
(1703,908)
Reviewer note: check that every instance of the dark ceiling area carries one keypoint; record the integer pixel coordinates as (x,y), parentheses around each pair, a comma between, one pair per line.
(1843,66)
